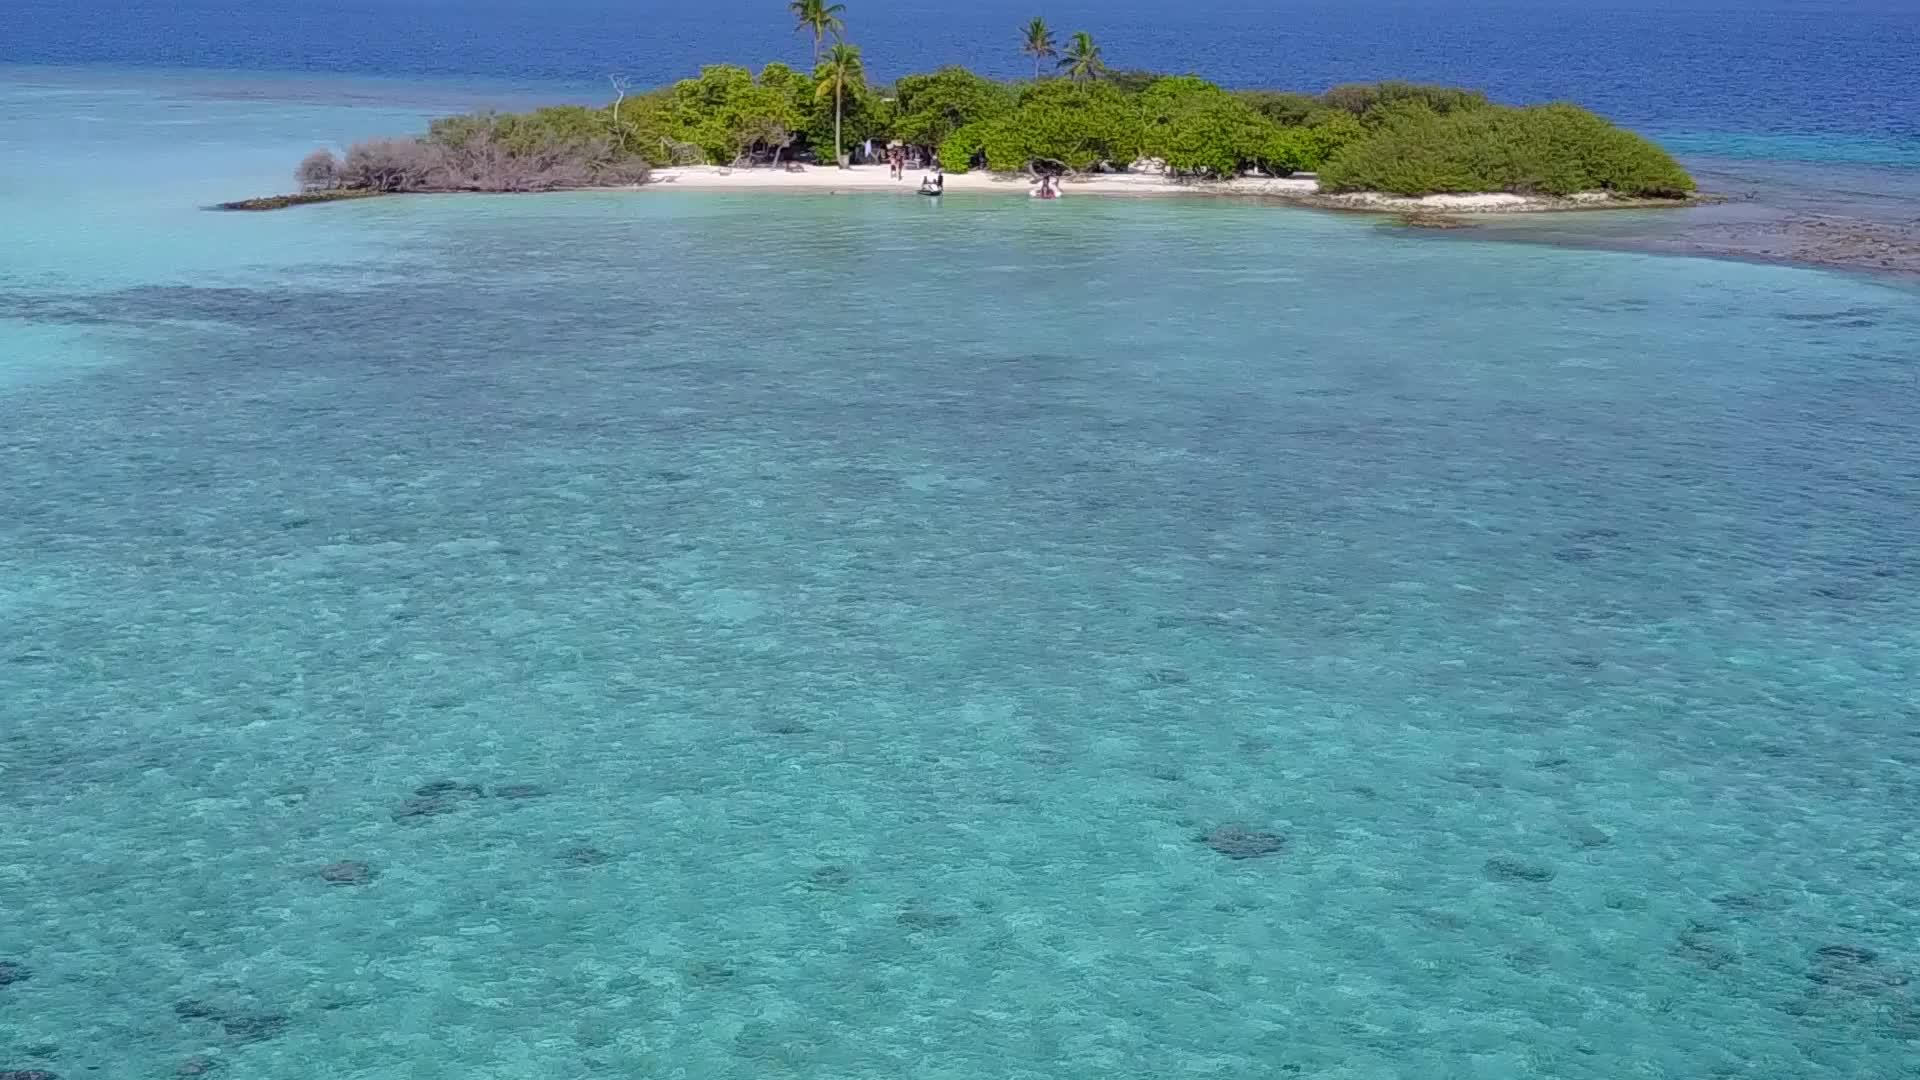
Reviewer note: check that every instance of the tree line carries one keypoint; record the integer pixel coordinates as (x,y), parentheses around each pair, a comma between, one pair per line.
(1395,137)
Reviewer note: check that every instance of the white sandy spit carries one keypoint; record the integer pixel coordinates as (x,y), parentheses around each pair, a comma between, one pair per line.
(874,178)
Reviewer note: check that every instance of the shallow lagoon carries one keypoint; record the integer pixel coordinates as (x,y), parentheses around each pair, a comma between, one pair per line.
(874,603)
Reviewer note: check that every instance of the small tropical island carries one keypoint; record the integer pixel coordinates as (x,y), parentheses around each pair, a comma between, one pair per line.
(1393,146)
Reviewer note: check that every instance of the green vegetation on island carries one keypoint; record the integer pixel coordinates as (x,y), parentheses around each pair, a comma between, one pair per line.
(1392,137)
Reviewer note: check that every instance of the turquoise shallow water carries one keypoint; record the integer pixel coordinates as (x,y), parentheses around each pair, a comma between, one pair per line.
(1825,149)
(852,611)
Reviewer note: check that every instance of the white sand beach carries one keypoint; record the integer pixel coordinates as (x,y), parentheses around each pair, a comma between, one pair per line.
(875,178)
(1304,190)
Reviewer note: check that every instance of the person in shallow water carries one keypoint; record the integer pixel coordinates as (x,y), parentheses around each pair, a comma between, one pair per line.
(1046,190)
(934,183)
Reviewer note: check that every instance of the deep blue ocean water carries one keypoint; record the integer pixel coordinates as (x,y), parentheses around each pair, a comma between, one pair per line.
(702,635)
(1752,66)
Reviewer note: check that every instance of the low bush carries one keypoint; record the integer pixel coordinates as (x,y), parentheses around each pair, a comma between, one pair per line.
(930,109)
(965,148)
(1365,100)
(1544,150)
(1199,129)
(1283,107)
(1060,123)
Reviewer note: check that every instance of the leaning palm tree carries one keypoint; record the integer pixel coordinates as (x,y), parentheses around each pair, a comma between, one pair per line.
(1039,44)
(1082,59)
(818,18)
(840,72)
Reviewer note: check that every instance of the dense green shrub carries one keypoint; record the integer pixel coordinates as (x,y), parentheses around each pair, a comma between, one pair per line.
(521,132)
(928,109)
(1284,107)
(1198,128)
(1319,141)
(964,148)
(644,126)
(725,112)
(1072,125)
(707,110)
(1550,149)
(1367,99)
(1131,80)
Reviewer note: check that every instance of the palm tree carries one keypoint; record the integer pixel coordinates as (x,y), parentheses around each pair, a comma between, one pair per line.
(1039,44)
(1082,58)
(840,72)
(818,18)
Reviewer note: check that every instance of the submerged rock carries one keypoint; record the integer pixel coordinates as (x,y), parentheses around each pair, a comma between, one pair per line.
(437,798)
(445,789)
(416,809)
(255,1027)
(1696,947)
(1854,969)
(1478,777)
(426,806)
(1844,954)
(1241,842)
(1588,836)
(830,877)
(1748,902)
(346,873)
(520,791)
(1529,959)
(1427,219)
(1508,870)
(197,1065)
(195,1009)
(710,972)
(11,973)
(240,1026)
(919,917)
(27,1074)
(585,855)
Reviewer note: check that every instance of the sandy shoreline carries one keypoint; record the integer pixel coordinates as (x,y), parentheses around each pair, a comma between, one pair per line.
(1303,191)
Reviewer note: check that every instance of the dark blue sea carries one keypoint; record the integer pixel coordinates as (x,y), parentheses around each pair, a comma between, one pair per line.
(753,635)
(1758,67)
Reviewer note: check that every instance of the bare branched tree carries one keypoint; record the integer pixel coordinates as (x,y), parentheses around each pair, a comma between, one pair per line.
(318,171)
(621,84)
(762,131)
(683,153)
(473,156)
(392,165)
